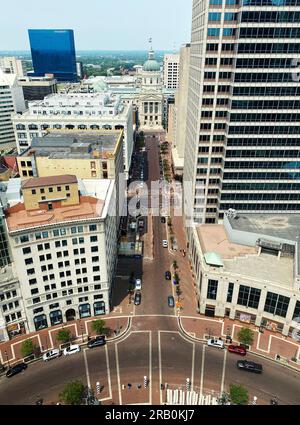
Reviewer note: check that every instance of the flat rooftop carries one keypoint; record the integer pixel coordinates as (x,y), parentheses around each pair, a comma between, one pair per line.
(94,196)
(244,260)
(213,238)
(264,267)
(75,144)
(18,218)
(284,226)
(7,274)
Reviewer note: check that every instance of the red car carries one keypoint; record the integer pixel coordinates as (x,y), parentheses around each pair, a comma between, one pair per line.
(237,350)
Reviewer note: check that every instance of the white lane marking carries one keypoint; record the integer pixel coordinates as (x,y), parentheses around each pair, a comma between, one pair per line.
(86,368)
(118,374)
(159,367)
(202,370)
(108,373)
(193,367)
(223,371)
(150,365)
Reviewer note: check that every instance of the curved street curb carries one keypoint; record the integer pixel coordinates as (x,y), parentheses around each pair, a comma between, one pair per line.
(194,339)
(81,344)
(116,338)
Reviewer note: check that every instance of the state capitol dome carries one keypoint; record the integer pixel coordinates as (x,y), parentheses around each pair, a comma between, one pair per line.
(151,65)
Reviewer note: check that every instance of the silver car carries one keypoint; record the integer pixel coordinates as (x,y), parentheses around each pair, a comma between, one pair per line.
(52,354)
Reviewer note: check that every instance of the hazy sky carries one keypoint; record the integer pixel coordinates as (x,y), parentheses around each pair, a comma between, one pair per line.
(99,24)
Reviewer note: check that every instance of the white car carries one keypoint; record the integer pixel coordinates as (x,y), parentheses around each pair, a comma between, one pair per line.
(71,350)
(138,284)
(165,243)
(52,354)
(218,343)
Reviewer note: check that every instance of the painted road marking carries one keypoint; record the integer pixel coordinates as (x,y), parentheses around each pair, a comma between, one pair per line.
(86,368)
(223,371)
(150,363)
(202,369)
(193,367)
(118,374)
(159,367)
(150,366)
(108,376)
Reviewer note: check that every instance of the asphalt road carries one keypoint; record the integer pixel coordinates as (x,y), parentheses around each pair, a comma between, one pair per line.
(153,348)
(173,359)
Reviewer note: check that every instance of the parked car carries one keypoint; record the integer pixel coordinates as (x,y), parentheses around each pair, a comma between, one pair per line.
(138,284)
(97,342)
(215,343)
(168,275)
(171,302)
(163,219)
(14,370)
(137,298)
(165,243)
(237,349)
(52,354)
(249,366)
(71,350)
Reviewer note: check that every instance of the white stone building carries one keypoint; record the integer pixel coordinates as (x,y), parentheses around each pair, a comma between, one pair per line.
(12,65)
(12,101)
(12,311)
(64,245)
(249,269)
(76,111)
(171,70)
(151,99)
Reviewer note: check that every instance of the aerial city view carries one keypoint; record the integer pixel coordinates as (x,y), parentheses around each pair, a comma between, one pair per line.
(150,204)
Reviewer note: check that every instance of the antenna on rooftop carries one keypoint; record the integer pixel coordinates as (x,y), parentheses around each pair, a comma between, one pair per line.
(150,42)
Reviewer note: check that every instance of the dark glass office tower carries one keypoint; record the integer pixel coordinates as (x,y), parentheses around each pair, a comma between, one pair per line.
(53,52)
(243,127)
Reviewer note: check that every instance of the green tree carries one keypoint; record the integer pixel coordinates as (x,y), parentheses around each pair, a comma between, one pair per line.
(63,336)
(73,393)
(238,394)
(28,347)
(246,336)
(98,326)
(175,266)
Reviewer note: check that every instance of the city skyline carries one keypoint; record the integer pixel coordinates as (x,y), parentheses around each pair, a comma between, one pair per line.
(92,32)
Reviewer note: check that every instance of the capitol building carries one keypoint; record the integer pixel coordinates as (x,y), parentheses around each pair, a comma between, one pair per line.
(145,91)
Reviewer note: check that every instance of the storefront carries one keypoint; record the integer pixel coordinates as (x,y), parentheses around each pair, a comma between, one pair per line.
(245,317)
(56,317)
(99,308)
(84,311)
(40,322)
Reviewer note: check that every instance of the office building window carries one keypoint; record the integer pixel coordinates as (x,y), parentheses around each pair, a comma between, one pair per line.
(230,292)
(276,304)
(212,289)
(249,297)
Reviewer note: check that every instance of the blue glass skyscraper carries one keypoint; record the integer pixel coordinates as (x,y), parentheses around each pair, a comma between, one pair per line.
(53,52)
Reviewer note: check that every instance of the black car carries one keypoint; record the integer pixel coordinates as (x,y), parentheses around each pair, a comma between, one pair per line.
(162,219)
(168,275)
(249,366)
(14,370)
(137,298)
(96,342)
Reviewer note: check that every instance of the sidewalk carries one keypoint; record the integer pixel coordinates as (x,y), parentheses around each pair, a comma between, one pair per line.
(46,339)
(267,344)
